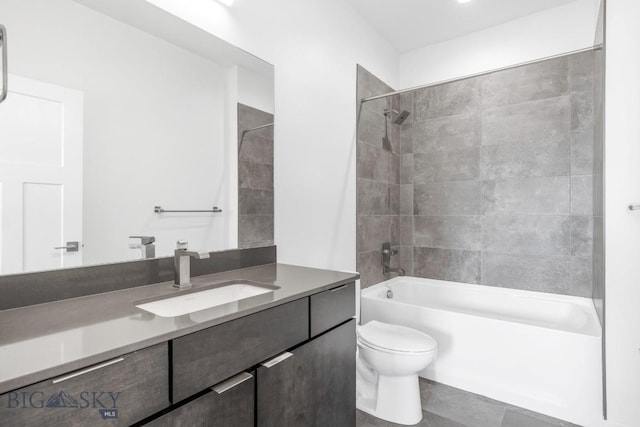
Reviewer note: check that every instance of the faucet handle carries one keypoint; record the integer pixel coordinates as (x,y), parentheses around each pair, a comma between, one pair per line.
(183,251)
(144,240)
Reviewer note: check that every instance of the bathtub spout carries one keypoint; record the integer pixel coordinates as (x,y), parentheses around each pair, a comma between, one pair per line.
(388,270)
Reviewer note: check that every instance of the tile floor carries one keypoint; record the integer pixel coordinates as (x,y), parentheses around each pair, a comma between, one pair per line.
(445,406)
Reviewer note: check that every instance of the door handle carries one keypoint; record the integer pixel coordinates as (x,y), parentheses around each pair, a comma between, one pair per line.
(231,382)
(71,247)
(5,71)
(273,362)
(87,370)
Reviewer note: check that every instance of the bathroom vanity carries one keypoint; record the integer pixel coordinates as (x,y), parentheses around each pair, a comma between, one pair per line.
(285,358)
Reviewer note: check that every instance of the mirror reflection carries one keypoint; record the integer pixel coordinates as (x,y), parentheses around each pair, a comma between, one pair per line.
(120,136)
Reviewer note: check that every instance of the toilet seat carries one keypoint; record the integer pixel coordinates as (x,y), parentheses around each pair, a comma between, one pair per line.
(394,338)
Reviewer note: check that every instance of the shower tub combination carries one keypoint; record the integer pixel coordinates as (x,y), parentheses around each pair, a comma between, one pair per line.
(534,350)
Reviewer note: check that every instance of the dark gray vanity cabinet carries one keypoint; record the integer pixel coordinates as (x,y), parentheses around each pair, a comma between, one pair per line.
(119,391)
(229,404)
(330,308)
(313,386)
(209,356)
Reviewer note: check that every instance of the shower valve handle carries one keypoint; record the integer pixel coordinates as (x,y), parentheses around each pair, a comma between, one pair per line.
(387,249)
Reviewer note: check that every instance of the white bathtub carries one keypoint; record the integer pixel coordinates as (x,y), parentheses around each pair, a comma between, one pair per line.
(534,350)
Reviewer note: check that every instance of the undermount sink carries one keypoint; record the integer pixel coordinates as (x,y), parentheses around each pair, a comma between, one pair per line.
(195,300)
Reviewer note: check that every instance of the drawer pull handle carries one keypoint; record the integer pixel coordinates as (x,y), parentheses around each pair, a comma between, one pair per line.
(273,362)
(231,382)
(339,288)
(86,371)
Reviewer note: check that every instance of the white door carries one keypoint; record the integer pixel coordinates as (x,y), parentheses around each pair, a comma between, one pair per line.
(40,176)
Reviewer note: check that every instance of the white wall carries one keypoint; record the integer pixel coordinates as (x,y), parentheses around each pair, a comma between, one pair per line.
(231,155)
(154,119)
(314,46)
(255,90)
(550,32)
(622,187)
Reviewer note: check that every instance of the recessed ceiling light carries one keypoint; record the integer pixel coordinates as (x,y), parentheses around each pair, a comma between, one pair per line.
(464,1)
(230,2)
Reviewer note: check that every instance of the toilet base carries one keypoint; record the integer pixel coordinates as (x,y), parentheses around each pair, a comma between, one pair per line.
(395,399)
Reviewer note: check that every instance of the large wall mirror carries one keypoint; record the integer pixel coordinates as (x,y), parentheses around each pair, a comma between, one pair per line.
(119,117)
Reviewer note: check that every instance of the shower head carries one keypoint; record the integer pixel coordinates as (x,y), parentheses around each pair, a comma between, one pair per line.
(400,117)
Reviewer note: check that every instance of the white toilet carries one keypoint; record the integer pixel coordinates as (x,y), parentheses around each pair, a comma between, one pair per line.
(389,359)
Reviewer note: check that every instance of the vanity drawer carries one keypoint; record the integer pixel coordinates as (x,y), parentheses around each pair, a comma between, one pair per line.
(207,357)
(120,391)
(331,308)
(230,403)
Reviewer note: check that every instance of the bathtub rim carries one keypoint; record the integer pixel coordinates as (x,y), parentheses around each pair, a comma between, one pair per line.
(592,328)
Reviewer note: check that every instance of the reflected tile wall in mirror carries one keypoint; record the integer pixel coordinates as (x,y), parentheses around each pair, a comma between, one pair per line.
(255,177)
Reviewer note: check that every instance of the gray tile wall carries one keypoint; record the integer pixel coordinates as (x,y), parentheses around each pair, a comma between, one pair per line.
(598,185)
(379,196)
(496,179)
(503,177)
(255,179)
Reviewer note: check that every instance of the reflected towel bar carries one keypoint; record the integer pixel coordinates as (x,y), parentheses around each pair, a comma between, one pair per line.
(158,209)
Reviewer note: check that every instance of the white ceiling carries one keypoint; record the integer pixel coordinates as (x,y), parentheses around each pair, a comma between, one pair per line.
(412,24)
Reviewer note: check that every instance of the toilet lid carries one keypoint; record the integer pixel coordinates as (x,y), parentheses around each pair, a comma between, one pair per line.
(395,337)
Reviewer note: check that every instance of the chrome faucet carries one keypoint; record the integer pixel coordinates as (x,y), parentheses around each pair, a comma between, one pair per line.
(387,253)
(182,262)
(386,270)
(146,246)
